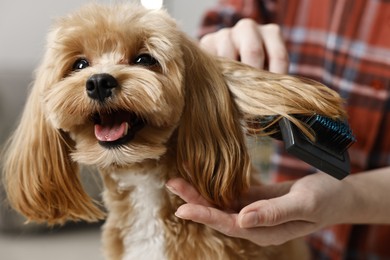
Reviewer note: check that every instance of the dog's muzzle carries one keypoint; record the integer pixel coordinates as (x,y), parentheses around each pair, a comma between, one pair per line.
(114,127)
(99,86)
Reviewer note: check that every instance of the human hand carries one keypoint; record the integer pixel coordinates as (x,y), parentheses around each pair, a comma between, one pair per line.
(279,212)
(260,46)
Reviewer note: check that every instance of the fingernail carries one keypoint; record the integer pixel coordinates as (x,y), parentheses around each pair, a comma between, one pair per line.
(179,214)
(249,220)
(171,189)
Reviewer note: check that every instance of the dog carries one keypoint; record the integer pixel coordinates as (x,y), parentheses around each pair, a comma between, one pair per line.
(123,89)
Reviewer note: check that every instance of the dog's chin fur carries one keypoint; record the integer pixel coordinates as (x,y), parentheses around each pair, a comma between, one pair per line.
(187,114)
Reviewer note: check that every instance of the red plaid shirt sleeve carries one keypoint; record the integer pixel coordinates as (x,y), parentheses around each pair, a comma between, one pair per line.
(344,44)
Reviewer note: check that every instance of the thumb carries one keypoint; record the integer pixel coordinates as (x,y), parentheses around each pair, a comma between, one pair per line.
(271,212)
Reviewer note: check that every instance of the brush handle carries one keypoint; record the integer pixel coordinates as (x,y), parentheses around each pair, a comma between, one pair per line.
(334,164)
(328,153)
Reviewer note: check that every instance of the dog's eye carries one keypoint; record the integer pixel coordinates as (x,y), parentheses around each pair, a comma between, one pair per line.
(145,60)
(80,64)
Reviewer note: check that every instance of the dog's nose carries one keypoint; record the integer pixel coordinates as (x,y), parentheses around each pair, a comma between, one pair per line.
(99,86)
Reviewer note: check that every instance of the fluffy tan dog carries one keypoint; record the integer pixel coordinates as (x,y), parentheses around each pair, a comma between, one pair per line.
(123,89)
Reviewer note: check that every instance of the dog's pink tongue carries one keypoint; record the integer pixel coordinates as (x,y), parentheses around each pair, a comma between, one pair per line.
(111,133)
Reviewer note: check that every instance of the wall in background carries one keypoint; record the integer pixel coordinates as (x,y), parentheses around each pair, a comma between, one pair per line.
(189,12)
(24,24)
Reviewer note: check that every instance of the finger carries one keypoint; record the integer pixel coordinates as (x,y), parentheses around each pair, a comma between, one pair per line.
(225,45)
(272,212)
(276,49)
(185,191)
(262,192)
(227,224)
(220,44)
(247,39)
(216,219)
(207,43)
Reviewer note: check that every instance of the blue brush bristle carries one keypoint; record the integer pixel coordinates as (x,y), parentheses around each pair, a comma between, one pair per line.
(334,135)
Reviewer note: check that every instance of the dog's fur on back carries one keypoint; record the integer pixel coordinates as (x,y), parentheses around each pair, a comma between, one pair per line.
(168,110)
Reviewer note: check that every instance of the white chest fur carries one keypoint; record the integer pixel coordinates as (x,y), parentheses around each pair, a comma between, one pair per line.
(145,236)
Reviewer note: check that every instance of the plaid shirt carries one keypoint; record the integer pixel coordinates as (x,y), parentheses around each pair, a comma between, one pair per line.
(344,44)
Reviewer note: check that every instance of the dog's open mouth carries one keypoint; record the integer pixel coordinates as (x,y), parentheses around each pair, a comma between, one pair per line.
(116,128)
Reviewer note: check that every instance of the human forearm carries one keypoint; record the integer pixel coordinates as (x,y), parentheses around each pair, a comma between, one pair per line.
(369,192)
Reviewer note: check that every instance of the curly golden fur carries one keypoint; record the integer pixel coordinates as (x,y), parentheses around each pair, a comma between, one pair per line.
(187,113)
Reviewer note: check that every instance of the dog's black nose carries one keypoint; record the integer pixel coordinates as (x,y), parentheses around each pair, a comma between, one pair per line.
(99,86)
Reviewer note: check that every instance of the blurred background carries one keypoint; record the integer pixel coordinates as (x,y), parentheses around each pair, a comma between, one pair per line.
(23,27)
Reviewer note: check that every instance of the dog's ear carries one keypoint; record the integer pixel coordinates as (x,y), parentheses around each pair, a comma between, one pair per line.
(223,97)
(41,180)
(211,144)
(261,93)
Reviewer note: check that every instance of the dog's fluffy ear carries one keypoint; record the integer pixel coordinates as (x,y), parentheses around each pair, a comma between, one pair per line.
(222,96)
(210,141)
(261,93)
(41,181)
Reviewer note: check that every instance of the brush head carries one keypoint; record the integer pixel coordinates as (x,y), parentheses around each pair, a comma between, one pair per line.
(335,136)
(328,152)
